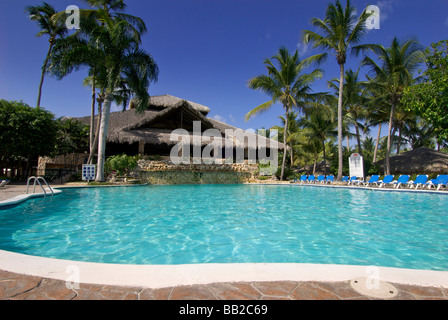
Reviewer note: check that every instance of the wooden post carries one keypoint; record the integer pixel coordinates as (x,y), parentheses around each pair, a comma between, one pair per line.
(141,148)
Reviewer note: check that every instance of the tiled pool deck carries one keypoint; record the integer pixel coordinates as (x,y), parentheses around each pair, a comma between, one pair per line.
(19,285)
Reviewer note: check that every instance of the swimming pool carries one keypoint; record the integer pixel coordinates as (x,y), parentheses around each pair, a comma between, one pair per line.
(233,224)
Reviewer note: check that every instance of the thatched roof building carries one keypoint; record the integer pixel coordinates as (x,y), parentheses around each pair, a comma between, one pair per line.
(150,132)
(419,161)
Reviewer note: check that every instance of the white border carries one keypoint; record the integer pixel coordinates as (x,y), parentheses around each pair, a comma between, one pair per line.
(22,198)
(163,276)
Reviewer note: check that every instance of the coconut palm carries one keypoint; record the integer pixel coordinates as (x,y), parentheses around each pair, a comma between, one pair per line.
(341,30)
(287,85)
(86,48)
(122,63)
(292,128)
(418,133)
(320,125)
(106,11)
(43,15)
(354,100)
(398,63)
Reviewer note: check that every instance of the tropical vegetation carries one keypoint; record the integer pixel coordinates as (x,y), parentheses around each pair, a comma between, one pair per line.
(428,97)
(108,44)
(43,15)
(393,92)
(340,30)
(28,133)
(287,84)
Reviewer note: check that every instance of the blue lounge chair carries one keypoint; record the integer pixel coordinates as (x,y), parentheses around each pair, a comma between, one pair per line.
(402,180)
(441,180)
(311,179)
(431,182)
(330,179)
(345,179)
(373,180)
(421,180)
(387,180)
(303,179)
(320,179)
(353,180)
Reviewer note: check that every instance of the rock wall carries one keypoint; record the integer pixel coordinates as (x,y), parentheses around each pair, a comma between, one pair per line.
(166,173)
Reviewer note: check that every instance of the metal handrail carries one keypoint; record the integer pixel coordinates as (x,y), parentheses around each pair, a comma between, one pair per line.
(36,180)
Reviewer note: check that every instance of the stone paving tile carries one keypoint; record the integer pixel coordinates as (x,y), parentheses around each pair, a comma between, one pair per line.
(235,291)
(20,287)
(200,292)
(275,289)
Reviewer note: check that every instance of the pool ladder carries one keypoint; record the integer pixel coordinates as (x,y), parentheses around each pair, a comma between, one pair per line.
(37,180)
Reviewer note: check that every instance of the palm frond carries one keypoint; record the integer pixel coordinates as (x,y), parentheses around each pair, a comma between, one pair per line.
(259,110)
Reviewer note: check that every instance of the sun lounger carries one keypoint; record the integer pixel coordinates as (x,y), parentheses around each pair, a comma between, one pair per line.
(311,179)
(421,180)
(353,180)
(320,179)
(303,179)
(329,179)
(345,179)
(441,180)
(373,180)
(402,180)
(387,180)
(3,183)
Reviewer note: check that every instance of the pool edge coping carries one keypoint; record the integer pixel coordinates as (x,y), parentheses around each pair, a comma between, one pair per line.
(24,197)
(165,276)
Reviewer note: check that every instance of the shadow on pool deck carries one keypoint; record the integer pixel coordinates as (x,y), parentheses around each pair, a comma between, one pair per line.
(23,287)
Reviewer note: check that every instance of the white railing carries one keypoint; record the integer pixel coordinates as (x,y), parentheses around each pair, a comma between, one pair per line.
(37,180)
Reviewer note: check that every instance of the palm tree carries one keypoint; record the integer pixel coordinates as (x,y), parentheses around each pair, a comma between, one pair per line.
(313,148)
(354,100)
(397,65)
(287,85)
(320,124)
(105,11)
(86,48)
(292,128)
(43,15)
(418,133)
(377,109)
(123,63)
(340,31)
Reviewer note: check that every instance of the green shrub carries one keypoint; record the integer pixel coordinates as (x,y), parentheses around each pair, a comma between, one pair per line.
(121,164)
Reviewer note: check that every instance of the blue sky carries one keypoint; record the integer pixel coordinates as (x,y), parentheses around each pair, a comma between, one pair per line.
(207,50)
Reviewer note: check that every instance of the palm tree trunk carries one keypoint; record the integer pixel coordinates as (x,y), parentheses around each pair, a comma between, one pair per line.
(325,156)
(377,144)
(44,70)
(285,136)
(389,139)
(399,140)
(341,90)
(358,138)
(97,133)
(92,112)
(102,138)
(292,155)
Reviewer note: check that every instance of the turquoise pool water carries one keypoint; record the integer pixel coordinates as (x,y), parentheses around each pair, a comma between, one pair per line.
(233,224)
